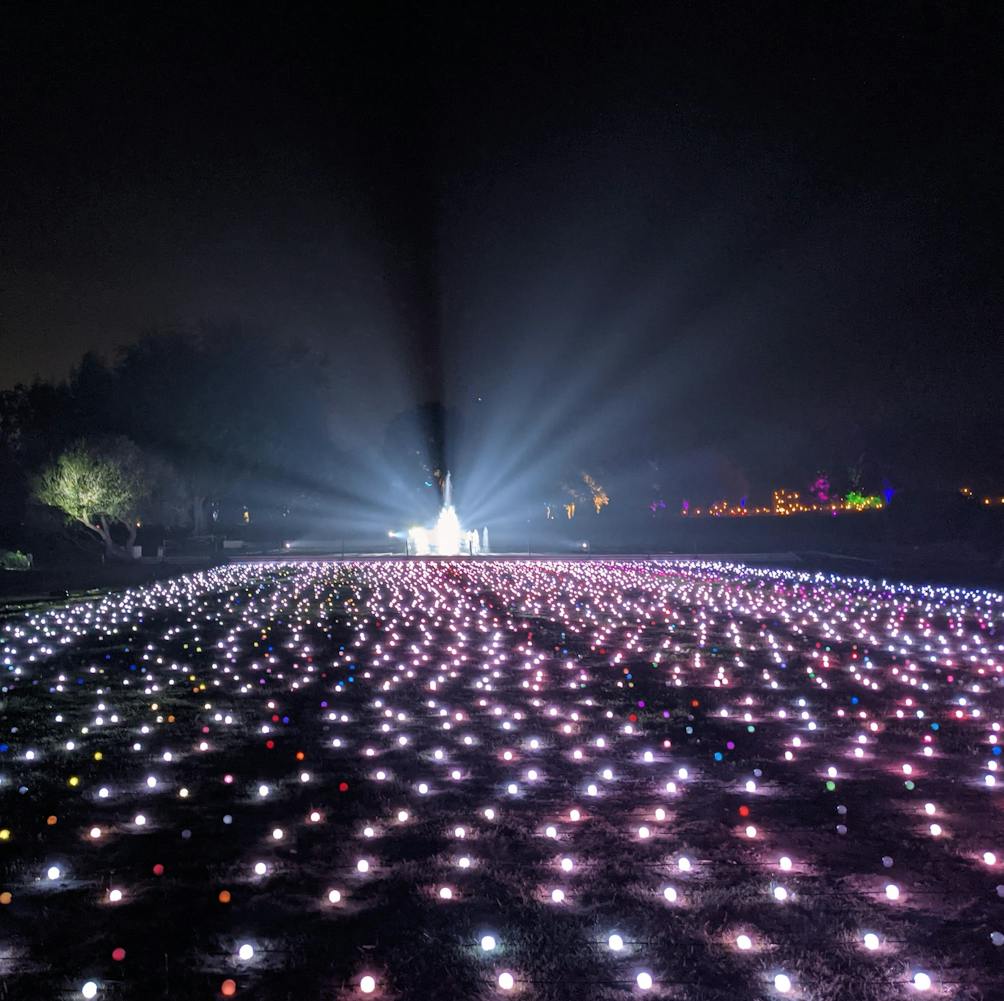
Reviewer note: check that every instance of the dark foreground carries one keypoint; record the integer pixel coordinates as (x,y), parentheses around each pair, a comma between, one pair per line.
(327,780)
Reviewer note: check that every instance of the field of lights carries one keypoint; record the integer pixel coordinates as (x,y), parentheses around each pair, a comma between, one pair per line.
(488,779)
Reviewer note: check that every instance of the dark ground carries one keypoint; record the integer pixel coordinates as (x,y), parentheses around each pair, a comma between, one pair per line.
(283,646)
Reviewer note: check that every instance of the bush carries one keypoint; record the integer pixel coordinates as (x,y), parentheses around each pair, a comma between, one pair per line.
(15,560)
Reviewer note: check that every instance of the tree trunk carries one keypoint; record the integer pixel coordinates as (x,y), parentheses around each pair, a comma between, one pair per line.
(198,515)
(112,549)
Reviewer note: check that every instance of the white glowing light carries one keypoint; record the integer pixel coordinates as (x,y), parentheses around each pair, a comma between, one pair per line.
(871,941)
(53,872)
(744,942)
(921,981)
(644,980)
(670,894)
(245,952)
(892,891)
(782,983)
(615,942)
(506,981)
(557,896)
(367,984)
(90,989)
(488,943)
(334,896)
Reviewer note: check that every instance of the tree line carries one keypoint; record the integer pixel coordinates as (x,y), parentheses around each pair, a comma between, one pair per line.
(164,430)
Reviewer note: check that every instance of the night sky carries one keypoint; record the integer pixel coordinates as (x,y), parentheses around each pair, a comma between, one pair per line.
(770,234)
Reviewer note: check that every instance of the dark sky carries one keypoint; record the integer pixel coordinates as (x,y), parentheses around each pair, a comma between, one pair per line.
(769,231)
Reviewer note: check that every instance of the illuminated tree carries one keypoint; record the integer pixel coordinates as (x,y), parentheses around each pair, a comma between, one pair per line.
(599,495)
(98,486)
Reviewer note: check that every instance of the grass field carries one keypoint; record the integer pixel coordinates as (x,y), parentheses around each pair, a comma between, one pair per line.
(336,780)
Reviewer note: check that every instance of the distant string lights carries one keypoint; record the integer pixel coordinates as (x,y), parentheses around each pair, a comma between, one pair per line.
(786,502)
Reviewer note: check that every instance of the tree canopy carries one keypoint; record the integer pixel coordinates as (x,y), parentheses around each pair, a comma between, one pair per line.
(95,485)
